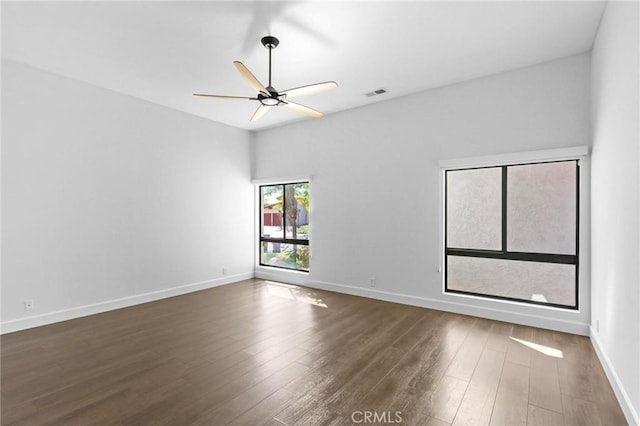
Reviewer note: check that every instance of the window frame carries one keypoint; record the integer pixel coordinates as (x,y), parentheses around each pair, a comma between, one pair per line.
(504,253)
(284,240)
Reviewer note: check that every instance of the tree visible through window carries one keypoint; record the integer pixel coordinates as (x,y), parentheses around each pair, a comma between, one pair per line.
(511,232)
(284,225)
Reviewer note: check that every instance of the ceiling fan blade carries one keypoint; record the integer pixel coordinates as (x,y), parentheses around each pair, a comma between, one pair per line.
(310,89)
(251,79)
(302,109)
(223,96)
(262,110)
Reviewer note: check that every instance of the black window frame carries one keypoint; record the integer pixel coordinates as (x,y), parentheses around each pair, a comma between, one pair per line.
(505,254)
(284,240)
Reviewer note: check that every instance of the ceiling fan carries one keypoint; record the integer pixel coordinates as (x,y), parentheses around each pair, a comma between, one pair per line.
(270,97)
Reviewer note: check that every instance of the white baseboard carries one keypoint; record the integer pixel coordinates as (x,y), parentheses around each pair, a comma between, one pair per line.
(573,327)
(623,398)
(109,305)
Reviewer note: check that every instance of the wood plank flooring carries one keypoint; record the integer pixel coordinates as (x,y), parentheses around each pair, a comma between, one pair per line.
(256,352)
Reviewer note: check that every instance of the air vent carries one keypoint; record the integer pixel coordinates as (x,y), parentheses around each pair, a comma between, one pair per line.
(376,93)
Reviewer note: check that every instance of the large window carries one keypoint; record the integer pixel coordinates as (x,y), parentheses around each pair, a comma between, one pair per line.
(511,232)
(284,225)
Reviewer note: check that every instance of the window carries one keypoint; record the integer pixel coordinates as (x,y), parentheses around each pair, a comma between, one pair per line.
(284,226)
(511,232)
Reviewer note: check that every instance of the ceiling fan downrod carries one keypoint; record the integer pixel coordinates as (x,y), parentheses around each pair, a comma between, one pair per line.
(270,42)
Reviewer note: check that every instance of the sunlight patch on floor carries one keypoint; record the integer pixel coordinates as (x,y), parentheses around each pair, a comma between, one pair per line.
(292,292)
(547,350)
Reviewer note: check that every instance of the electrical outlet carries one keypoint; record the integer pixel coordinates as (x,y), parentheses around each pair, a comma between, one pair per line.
(372,282)
(28,305)
(224,271)
(597,326)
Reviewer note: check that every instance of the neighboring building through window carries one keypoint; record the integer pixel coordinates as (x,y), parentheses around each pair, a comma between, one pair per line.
(284,225)
(511,232)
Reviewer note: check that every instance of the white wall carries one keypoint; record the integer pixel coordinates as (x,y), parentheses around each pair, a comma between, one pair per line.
(375,180)
(108,200)
(615,201)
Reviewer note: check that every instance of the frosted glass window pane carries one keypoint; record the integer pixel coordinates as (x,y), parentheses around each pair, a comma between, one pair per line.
(541,208)
(474,209)
(543,282)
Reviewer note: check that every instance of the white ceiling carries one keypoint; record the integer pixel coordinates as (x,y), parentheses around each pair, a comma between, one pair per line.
(165,51)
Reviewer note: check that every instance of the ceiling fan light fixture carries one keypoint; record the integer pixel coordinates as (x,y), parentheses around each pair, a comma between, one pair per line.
(268,101)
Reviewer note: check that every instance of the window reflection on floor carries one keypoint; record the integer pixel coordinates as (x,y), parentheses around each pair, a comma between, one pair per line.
(292,292)
(547,350)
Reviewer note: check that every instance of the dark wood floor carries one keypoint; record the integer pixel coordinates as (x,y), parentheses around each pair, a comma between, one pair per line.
(256,352)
